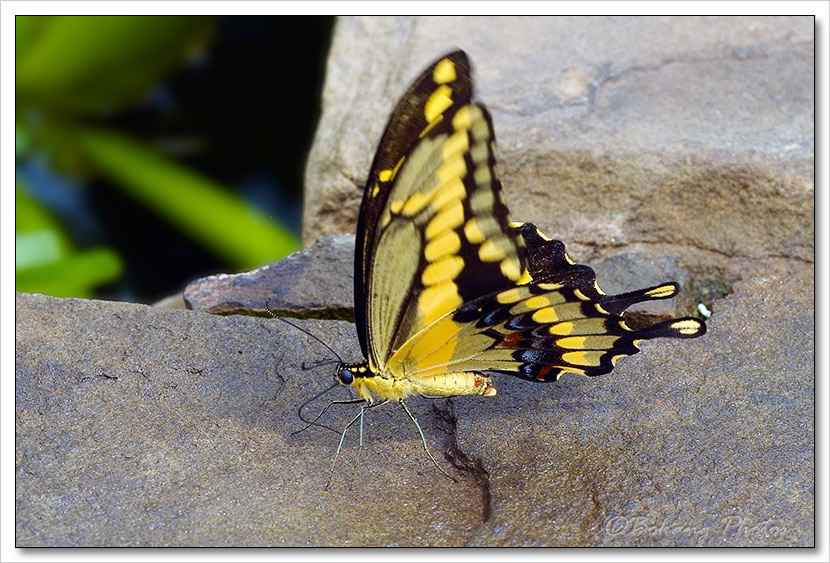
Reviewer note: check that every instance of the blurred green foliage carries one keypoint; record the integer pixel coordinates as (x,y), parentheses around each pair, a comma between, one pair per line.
(46,260)
(71,70)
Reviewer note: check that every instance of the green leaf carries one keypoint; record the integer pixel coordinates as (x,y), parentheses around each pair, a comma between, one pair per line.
(45,258)
(36,248)
(88,64)
(29,215)
(205,210)
(73,276)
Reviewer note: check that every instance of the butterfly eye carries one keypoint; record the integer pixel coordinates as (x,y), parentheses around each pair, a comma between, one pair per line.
(344,376)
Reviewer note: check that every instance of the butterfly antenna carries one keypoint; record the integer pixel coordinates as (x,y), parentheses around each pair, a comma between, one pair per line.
(423,439)
(301,329)
(316,365)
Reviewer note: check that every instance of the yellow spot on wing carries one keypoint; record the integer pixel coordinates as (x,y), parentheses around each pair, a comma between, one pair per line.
(559,312)
(510,268)
(479,154)
(584,326)
(444,72)
(490,252)
(443,245)
(525,278)
(482,177)
(561,329)
(482,201)
(662,292)
(687,326)
(443,270)
(592,358)
(546,315)
(437,103)
(416,203)
(509,295)
(447,219)
(572,342)
(462,118)
(600,342)
(473,232)
(537,302)
(431,125)
(388,174)
(456,144)
(454,189)
(451,169)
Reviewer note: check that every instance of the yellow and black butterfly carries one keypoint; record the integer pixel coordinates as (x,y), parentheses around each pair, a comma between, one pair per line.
(447,288)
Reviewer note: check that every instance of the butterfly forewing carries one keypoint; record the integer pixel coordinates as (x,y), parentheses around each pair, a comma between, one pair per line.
(443,236)
(444,84)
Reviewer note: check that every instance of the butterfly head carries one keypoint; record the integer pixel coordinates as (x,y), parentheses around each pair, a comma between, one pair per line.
(345,374)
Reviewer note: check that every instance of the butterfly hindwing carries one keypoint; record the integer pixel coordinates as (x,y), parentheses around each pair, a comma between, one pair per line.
(560,322)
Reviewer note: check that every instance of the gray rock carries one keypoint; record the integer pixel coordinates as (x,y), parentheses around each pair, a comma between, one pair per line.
(321,295)
(140,426)
(697,142)
(146,426)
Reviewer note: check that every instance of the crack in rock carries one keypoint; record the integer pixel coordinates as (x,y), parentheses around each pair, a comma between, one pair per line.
(465,463)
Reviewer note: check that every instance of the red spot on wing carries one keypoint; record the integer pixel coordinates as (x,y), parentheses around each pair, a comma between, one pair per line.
(511,340)
(543,373)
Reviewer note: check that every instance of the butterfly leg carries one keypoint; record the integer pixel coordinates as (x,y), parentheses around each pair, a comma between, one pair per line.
(340,445)
(313,422)
(424,440)
(364,407)
(358,416)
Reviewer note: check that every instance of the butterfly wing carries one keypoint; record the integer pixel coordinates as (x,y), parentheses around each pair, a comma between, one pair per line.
(559,322)
(442,84)
(436,231)
(446,287)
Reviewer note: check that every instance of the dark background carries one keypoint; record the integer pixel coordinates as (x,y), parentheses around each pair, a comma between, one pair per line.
(243,112)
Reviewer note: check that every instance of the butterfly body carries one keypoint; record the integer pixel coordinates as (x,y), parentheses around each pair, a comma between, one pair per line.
(447,287)
(394,385)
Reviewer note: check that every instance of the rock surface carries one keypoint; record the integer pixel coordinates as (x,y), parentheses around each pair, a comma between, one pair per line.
(139,426)
(688,136)
(270,287)
(146,426)
(677,148)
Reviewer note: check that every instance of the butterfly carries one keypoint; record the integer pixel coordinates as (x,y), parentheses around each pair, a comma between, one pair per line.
(448,289)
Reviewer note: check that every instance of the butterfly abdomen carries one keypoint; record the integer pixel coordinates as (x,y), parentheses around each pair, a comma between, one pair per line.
(396,388)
